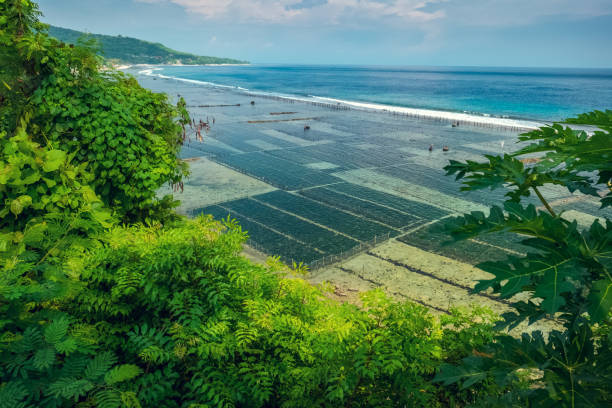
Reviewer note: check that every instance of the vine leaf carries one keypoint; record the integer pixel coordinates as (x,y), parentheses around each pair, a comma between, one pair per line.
(53,160)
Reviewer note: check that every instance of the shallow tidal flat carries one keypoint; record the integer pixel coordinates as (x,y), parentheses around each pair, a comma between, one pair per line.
(357,196)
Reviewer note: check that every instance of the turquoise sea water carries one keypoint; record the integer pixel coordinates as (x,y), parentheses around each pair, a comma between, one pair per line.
(524,93)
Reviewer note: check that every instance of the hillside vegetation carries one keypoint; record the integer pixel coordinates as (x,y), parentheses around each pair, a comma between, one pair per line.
(109,299)
(129,50)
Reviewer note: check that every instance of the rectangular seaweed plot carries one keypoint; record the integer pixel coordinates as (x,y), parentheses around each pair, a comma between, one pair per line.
(194,149)
(296,129)
(589,206)
(278,172)
(292,226)
(188,153)
(436,179)
(360,125)
(234,136)
(434,238)
(271,242)
(349,157)
(356,227)
(387,216)
(419,209)
(293,155)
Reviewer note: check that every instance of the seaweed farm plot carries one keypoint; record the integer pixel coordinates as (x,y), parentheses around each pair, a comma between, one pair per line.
(235,136)
(278,172)
(297,129)
(318,237)
(359,228)
(212,148)
(493,247)
(386,215)
(364,126)
(419,209)
(422,175)
(270,241)
(348,156)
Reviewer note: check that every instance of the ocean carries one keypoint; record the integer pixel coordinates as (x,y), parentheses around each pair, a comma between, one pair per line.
(539,94)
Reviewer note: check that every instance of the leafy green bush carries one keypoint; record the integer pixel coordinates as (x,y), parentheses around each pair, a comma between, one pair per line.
(209,328)
(127,134)
(35,181)
(49,220)
(567,276)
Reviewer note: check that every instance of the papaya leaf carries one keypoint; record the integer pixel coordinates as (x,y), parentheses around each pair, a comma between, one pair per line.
(600,300)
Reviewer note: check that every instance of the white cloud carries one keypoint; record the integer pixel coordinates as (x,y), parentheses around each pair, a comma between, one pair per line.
(354,12)
(308,11)
(519,12)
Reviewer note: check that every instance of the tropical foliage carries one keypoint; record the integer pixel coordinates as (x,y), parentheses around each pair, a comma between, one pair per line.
(566,276)
(126,134)
(107,301)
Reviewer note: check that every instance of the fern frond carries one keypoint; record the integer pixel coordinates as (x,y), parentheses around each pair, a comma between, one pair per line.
(130,400)
(44,358)
(55,332)
(108,399)
(100,365)
(12,395)
(70,388)
(122,373)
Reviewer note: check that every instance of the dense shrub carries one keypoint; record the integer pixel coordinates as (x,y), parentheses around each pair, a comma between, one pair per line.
(209,328)
(50,217)
(126,134)
(35,181)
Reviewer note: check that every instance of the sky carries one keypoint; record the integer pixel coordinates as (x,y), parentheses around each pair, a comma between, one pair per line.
(517,33)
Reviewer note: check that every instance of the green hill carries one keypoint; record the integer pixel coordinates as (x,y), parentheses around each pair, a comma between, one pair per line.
(134,51)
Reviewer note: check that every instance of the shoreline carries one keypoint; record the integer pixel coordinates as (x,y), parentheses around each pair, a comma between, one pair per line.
(454,118)
(128,66)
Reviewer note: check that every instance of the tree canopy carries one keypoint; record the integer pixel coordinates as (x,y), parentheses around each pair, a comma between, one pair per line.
(134,51)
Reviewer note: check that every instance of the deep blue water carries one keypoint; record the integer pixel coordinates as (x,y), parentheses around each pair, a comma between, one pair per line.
(527,93)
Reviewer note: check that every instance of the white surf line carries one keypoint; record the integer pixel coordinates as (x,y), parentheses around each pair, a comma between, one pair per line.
(340,104)
(457,117)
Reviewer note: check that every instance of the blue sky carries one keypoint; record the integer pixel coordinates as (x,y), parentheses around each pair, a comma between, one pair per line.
(548,33)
